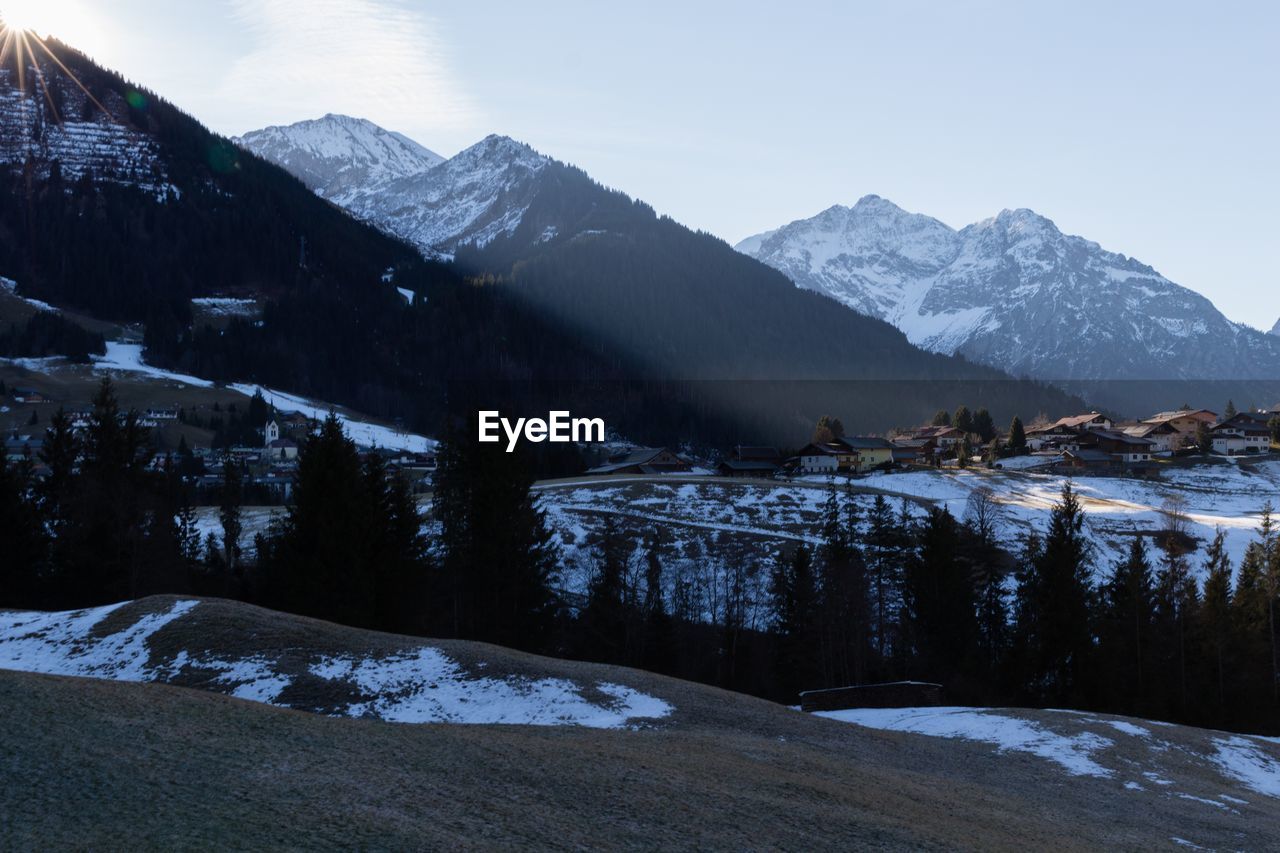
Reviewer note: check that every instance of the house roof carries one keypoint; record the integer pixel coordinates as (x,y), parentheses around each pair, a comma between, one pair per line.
(1248,427)
(1180,413)
(748,465)
(1088,454)
(935,431)
(1122,437)
(1072,421)
(745,452)
(867,442)
(1145,429)
(640,457)
(830,448)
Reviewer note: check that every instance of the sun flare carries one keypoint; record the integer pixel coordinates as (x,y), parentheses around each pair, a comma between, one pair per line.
(40,17)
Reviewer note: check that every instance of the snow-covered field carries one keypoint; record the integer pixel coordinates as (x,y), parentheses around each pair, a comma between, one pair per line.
(1225,495)
(126,358)
(226,306)
(363,433)
(1136,754)
(415,685)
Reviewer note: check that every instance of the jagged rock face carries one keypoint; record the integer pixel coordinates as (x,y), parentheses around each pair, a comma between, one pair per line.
(1275,330)
(338,156)
(436,204)
(1015,293)
(65,127)
(473,197)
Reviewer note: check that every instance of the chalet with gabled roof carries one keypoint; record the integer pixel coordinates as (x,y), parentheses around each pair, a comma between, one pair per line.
(1163,437)
(644,460)
(1243,433)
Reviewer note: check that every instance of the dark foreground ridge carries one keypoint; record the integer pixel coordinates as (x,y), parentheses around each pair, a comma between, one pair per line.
(99,763)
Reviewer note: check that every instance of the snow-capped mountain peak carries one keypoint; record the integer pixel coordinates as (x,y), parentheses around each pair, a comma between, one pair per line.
(1015,292)
(436,204)
(339,155)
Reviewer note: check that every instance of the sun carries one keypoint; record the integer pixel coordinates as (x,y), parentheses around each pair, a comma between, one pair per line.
(39,17)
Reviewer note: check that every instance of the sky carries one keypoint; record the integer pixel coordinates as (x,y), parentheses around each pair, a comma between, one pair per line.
(1150,127)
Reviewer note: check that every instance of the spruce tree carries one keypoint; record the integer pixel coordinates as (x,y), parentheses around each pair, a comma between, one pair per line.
(1214,618)
(794,605)
(499,562)
(316,563)
(1125,632)
(605,618)
(23,535)
(940,604)
(1055,613)
(230,497)
(1017,437)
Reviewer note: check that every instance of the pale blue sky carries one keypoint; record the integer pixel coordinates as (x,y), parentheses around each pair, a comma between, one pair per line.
(1150,127)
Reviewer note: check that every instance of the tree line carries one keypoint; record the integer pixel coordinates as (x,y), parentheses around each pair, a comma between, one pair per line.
(890,593)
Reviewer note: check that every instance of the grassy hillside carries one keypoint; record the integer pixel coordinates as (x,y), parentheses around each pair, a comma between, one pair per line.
(97,763)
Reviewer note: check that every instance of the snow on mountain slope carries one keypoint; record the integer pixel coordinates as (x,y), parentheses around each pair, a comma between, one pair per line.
(417,684)
(1275,330)
(76,134)
(1016,293)
(338,155)
(473,197)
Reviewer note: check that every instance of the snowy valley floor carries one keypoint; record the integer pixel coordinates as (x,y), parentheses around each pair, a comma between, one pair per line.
(549,753)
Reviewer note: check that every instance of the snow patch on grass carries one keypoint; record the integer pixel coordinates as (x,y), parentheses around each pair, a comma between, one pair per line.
(60,643)
(426,686)
(421,685)
(1009,734)
(1241,759)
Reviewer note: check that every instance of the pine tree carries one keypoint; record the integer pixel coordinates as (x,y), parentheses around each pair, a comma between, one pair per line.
(1204,439)
(1271,587)
(499,560)
(316,563)
(23,536)
(1250,621)
(1017,437)
(845,630)
(1054,611)
(794,600)
(962,419)
(396,550)
(941,418)
(983,425)
(1127,602)
(1176,602)
(984,519)
(1230,411)
(605,618)
(1214,617)
(657,648)
(884,544)
(940,603)
(229,501)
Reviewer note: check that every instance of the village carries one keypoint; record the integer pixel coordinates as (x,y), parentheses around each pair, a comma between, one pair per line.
(264,442)
(1090,443)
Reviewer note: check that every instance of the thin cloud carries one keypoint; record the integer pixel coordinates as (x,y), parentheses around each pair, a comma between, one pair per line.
(377,60)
